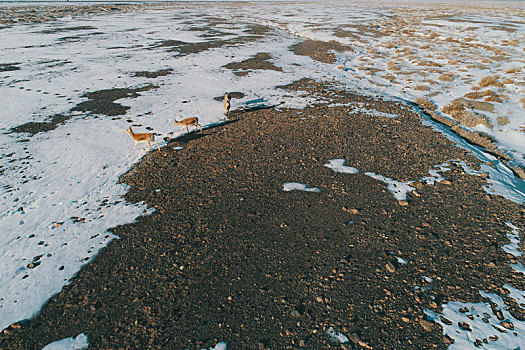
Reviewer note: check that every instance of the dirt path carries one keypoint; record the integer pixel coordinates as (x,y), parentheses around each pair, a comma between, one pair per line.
(229,256)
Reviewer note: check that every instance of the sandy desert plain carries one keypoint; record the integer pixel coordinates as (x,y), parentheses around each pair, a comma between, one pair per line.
(365,192)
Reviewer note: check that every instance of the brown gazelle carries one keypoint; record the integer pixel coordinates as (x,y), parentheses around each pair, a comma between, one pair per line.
(188,122)
(142,137)
(227,105)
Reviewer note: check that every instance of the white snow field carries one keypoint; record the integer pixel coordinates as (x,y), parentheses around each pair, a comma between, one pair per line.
(60,192)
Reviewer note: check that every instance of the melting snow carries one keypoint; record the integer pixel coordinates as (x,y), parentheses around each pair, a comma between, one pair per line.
(78,343)
(292,186)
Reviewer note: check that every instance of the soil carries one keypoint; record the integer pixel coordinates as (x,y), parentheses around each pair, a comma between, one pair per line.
(229,256)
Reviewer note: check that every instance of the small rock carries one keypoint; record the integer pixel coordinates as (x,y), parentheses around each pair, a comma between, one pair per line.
(427,325)
(445,182)
(491,265)
(352,211)
(295,313)
(402,203)
(390,267)
(465,326)
(319,299)
(445,320)
(508,325)
(448,340)
(499,314)
(493,338)
(405,319)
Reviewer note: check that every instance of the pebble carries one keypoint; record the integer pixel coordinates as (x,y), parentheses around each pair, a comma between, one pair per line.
(465,326)
(508,325)
(447,340)
(445,320)
(390,267)
(351,210)
(402,203)
(445,182)
(427,325)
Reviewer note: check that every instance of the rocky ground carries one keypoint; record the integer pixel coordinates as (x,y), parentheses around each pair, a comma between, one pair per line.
(229,256)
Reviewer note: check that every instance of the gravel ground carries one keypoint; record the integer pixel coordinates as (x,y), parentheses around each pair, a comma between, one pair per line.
(229,256)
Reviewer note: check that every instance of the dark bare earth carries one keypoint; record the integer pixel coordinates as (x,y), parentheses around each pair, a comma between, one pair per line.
(229,256)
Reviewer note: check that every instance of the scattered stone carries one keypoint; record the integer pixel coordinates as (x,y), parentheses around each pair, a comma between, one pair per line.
(465,326)
(491,265)
(427,325)
(405,319)
(448,340)
(390,267)
(445,320)
(445,182)
(402,203)
(295,313)
(508,325)
(352,211)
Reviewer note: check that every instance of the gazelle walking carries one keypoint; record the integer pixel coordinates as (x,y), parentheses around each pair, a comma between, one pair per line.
(142,137)
(188,122)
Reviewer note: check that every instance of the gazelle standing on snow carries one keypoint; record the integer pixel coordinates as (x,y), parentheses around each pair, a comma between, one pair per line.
(227,104)
(142,137)
(188,122)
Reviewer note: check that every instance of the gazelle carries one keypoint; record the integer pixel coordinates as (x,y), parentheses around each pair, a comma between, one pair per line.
(227,105)
(142,137)
(188,122)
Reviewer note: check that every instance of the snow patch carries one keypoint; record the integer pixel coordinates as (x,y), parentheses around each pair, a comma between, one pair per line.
(78,343)
(296,186)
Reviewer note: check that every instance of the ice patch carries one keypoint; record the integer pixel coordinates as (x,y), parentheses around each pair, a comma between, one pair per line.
(484,328)
(490,325)
(338,166)
(398,189)
(337,337)
(78,343)
(514,238)
(373,112)
(293,186)
(435,174)
(402,261)
(220,346)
